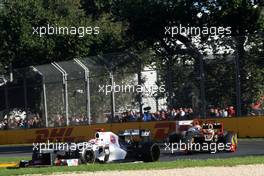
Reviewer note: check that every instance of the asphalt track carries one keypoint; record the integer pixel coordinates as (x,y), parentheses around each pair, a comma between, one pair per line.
(246,147)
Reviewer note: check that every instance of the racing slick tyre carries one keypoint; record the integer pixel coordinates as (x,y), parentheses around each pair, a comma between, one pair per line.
(87,156)
(150,152)
(231,140)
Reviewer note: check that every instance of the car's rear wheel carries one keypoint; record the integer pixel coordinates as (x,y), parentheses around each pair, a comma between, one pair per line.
(150,152)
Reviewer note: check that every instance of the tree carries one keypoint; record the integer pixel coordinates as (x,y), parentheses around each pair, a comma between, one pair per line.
(22,48)
(146,21)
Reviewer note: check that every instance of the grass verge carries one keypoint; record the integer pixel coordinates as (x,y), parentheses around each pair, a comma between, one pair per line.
(132,166)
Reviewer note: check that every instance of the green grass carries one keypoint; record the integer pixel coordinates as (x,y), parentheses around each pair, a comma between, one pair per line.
(132,166)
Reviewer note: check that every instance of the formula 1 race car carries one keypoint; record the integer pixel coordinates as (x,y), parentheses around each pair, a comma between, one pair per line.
(201,136)
(130,145)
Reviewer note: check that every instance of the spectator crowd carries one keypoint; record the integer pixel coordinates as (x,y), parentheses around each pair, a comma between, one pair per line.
(169,114)
(60,120)
(18,118)
(221,112)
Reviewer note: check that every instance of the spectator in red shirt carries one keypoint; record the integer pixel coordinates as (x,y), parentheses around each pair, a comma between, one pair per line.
(231,111)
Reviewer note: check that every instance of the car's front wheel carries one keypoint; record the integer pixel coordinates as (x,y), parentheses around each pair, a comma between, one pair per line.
(87,156)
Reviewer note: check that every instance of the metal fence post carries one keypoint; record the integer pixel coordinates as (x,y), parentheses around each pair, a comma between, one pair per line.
(139,77)
(88,98)
(65,83)
(44,95)
(45,101)
(87,80)
(112,96)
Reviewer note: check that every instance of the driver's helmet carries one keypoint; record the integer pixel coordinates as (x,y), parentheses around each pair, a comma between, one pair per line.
(196,124)
(209,133)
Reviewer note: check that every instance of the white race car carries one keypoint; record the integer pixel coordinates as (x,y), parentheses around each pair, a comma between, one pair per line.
(130,145)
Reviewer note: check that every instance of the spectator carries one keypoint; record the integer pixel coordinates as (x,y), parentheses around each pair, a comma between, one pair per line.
(186,112)
(231,111)
(223,113)
(156,115)
(147,116)
(216,112)
(190,111)
(256,108)
(138,116)
(172,114)
(177,114)
(182,113)
(212,112)
(131,116)
(163,115)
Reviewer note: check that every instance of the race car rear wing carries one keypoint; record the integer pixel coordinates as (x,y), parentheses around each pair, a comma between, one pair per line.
(135,132)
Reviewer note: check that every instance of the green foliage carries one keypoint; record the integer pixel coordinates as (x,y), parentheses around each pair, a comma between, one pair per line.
(22,48)
(138,26)
(96,8)
(146,20)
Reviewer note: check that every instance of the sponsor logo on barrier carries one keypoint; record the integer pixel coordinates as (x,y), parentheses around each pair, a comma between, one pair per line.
(159,130)
(56,134)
